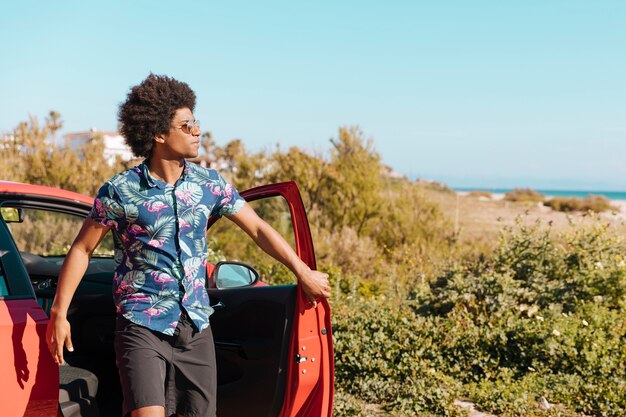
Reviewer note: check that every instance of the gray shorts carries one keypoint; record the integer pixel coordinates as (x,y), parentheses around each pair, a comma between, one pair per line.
(177,372)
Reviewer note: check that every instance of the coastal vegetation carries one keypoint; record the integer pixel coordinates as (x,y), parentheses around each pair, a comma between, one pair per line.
(591,203)
(524,195)
(594,203)
(519,309)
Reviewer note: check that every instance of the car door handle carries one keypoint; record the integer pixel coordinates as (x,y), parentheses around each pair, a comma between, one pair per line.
(251,349)
(228,345)
(218,306)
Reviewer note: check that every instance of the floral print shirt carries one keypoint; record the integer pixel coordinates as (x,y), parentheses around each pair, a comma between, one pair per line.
(159,232)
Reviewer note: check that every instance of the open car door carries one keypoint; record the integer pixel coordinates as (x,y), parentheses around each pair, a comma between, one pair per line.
(30,379)
(274,350)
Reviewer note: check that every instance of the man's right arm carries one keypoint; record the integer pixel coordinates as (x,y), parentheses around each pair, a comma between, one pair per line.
(76,262)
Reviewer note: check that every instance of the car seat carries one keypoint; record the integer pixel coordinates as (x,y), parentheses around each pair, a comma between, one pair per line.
(77,392)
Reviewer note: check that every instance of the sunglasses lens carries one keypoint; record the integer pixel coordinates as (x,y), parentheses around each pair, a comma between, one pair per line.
(190,126)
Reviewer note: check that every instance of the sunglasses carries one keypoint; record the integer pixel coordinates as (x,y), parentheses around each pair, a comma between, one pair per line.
(190,126)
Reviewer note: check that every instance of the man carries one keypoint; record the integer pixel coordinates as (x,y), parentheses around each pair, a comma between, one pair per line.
(158,213)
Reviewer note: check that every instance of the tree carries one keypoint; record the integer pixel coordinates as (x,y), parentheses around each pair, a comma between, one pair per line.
(411,220)
(33,156)
(311,173)
(356,181)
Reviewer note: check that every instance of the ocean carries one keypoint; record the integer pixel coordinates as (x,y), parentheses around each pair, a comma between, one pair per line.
(611,195)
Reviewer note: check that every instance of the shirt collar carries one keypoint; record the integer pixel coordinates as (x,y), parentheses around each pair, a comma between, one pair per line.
(155,182)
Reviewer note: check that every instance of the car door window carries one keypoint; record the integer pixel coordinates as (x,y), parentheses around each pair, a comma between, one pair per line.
(227,242)
(51,233)
(4,289)
(14,283)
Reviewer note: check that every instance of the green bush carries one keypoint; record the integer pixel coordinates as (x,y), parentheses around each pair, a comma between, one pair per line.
(538,319)
(541,319)
(383,356)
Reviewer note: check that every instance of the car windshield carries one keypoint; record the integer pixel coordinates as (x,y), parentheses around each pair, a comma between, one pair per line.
(51,233)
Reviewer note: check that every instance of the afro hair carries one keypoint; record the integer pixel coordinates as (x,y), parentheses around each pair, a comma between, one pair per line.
(149,110)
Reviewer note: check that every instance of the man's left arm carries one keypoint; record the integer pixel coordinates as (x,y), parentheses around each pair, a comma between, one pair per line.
(314,283)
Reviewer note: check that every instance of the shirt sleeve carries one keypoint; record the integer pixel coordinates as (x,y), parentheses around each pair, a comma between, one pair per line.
(108,209)
(229,201)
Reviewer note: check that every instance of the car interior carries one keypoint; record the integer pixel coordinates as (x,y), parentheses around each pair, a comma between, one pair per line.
(251,327)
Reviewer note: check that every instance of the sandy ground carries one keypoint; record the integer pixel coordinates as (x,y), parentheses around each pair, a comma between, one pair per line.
(621,205)
(479,220)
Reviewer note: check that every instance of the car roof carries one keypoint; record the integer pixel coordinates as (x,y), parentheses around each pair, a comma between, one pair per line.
(9,187)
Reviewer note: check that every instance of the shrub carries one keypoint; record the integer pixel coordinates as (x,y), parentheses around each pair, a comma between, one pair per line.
(524,195)
(382,357)
(480,194)
(540,318)
(594,203)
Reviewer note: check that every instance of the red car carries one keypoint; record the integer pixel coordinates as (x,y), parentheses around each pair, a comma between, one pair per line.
(274,353)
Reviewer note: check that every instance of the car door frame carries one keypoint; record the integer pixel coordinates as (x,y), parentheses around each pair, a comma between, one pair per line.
(310,372)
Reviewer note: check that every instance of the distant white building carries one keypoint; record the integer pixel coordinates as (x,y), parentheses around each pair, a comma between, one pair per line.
(9,141)
(113,143)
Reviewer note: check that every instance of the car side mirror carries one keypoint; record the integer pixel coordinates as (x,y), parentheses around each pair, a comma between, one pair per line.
(12,214)
(234,275)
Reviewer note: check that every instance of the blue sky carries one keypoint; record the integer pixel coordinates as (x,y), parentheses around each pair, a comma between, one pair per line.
(471,93)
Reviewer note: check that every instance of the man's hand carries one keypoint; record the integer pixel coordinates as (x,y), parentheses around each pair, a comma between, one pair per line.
(58,334)
(315,285)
